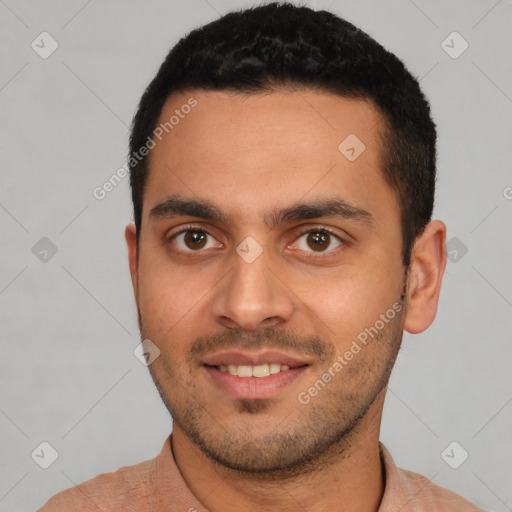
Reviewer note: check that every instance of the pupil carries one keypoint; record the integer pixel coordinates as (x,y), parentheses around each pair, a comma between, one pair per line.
(318,241)
(195,239)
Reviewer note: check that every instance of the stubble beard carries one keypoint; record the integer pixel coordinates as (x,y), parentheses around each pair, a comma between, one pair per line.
(320,433)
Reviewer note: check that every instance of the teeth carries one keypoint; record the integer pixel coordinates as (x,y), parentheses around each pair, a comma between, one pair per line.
(275,368)
(261,370)
(244,371)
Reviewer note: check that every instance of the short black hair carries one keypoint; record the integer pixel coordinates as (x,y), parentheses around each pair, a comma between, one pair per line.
(279,44)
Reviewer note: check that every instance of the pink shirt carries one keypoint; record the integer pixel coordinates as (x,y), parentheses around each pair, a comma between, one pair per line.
(157,486)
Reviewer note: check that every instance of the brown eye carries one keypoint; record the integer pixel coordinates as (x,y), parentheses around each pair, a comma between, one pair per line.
(192,240)
(195,239)
(317,241)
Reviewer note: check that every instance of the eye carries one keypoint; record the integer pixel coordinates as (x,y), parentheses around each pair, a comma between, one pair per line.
(194,240)
(318,240)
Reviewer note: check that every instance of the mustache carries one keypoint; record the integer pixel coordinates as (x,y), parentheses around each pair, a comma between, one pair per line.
(269,337)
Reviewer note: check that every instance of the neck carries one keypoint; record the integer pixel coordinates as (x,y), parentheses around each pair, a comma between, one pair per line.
(348,478)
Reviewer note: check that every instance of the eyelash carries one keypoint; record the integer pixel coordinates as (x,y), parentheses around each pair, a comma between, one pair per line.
(309,254)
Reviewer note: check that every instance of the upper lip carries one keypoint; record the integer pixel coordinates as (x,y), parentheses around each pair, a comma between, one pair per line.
(237,357)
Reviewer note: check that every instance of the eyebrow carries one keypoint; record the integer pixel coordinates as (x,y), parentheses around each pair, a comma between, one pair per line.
(175,205)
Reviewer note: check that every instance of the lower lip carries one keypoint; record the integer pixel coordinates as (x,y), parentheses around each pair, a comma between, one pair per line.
(253,387)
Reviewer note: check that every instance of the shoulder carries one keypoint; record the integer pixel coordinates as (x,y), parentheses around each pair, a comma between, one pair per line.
(407,491)
(421,493)
(117,491)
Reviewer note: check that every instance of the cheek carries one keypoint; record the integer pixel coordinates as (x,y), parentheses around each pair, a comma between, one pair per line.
(346,302)
(169,297)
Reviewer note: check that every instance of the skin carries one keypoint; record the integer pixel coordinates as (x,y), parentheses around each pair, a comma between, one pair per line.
(250,156)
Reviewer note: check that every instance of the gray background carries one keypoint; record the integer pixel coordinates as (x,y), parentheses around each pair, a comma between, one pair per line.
(68,373)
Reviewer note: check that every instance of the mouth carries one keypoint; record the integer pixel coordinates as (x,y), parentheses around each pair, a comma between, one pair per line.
(253,376)
(258,371)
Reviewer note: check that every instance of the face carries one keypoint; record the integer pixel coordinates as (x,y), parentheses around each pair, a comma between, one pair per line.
(269,273)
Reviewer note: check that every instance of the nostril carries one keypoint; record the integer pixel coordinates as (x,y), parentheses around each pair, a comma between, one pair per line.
(271,320)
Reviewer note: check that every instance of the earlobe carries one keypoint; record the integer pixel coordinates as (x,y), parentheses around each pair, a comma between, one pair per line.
(130,235)
(428,261)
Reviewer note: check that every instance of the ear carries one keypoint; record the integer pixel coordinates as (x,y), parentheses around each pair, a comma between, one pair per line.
(130,235)
(428,261)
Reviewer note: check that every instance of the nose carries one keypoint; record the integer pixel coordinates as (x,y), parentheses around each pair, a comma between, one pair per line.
(252,296)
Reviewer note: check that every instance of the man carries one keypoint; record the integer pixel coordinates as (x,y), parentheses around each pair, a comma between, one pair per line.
(282,173)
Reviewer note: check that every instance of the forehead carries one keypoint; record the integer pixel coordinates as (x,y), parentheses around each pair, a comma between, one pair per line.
(249,151)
